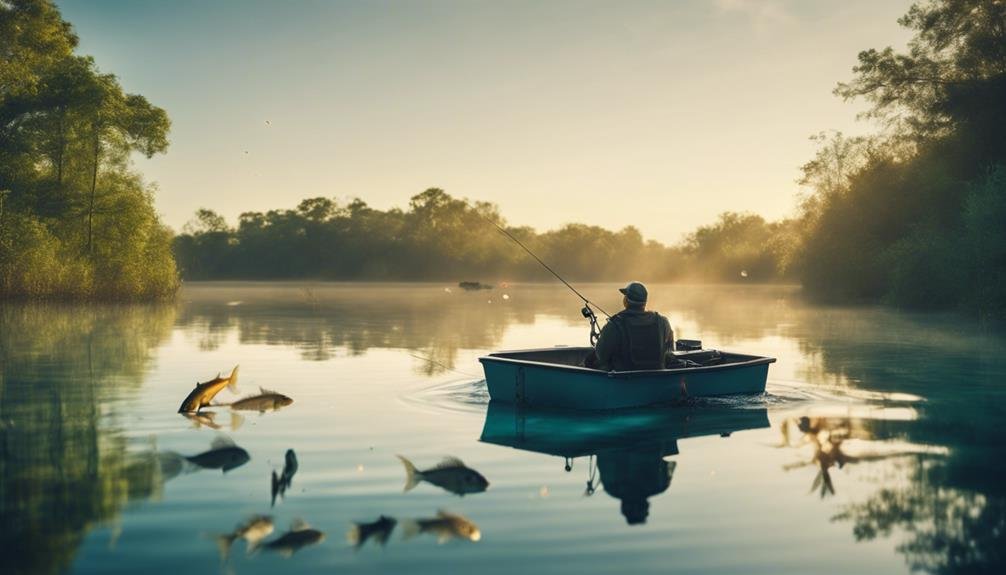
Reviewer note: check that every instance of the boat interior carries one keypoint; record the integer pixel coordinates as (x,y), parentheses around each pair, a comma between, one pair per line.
(576,356)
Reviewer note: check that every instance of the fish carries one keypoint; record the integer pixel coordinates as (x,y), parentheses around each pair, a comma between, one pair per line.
(379,530)
(254,530)
(451,474)
(282,482)
(223,455)
(445,526)
(265,401)
(204,393)
(299,536)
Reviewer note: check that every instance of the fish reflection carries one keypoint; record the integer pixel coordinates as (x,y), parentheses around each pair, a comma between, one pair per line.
(208,419)
(378,530)
(451,474)
(445,526)
(299,536)
(204,393)
(630,446)
(254,530)
(282,482)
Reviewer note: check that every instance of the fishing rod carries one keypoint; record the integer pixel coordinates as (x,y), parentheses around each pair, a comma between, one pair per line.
(586,311)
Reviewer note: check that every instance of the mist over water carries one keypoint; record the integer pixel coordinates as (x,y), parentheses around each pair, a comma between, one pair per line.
(877,447)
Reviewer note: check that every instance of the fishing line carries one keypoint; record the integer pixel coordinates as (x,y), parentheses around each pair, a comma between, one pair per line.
(505,232)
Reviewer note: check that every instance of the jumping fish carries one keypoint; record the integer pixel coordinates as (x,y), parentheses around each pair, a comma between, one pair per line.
(254,530)
(450,474)
(205,392)
(281,482)
(379,530)
(445,526)
(299,536)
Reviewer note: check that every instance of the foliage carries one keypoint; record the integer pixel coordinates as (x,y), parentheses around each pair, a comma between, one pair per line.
(446,238)
(74,220)
(914,216)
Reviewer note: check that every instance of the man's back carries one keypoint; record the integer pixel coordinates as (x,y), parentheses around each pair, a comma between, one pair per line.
(632,340)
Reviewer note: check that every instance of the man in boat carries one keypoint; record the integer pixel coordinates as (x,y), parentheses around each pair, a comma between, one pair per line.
(633,338)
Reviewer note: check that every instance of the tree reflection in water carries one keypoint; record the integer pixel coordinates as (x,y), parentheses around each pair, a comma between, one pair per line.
(62,470)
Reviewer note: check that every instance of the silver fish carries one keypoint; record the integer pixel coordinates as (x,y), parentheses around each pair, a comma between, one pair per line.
(254,530)
(445,526)
(379,530)
(450,474)
(265,401)
(299,536)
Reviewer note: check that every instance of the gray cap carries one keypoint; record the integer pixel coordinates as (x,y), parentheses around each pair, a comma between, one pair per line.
(635,292)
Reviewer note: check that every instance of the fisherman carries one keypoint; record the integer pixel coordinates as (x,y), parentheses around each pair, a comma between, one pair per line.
(634,338)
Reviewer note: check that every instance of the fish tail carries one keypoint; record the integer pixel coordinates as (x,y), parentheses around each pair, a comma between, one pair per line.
(412,475)
(410,528)
(232,383)
(224,543)
(353,535)
(275,487)
(237,420)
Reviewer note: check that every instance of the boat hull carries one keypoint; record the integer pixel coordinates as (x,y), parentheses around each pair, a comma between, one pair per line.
(512,379)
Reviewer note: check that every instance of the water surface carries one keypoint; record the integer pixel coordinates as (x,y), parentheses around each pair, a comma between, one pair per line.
(877,447)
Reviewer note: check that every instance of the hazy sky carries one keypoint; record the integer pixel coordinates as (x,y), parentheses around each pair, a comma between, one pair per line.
(654,114)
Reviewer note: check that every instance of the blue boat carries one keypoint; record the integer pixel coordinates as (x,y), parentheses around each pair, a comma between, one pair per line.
(556,377)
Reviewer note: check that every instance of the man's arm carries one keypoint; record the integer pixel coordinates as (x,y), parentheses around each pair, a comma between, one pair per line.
(607,340)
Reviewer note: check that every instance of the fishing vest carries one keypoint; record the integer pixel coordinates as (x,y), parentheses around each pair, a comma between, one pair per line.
(642,342)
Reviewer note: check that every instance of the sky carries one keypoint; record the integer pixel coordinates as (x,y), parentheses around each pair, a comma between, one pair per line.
(659,115)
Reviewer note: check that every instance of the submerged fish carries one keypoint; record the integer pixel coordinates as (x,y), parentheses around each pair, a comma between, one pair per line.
(299,536)
(450,474)
(282,482)
(205,392)
(254,530)
(223,455)
(445,526)
(265,401)
(379,530)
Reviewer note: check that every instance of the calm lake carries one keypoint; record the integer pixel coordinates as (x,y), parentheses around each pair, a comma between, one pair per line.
(877,448)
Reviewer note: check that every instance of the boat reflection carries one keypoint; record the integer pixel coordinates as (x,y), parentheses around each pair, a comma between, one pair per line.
(630,446)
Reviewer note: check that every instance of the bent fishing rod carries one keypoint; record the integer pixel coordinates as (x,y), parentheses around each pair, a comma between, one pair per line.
(586,311)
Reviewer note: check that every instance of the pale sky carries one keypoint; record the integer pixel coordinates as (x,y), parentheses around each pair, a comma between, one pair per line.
(659,115)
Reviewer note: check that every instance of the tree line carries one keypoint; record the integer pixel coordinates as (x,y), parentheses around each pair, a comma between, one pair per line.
(75,220)
(440,237)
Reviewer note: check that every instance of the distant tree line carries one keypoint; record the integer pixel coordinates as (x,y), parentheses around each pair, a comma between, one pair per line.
(439,237)
(75,221)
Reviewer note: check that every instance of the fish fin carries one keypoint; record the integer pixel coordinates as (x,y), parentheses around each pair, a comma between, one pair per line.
(410,528)
(224,543)
(353,535)
(232,382)
(275,487)
(286,553)
(445,514)
(449,462)
(412,475)
(299,525)
(443,538)
(237,420)
(221,441)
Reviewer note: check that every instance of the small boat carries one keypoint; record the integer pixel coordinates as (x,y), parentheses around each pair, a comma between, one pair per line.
(556,377)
